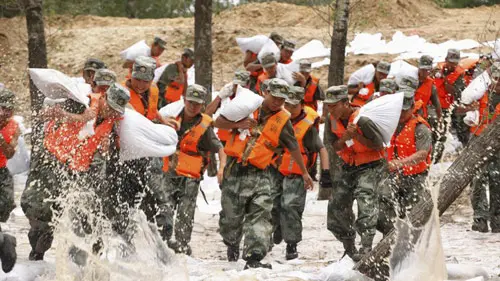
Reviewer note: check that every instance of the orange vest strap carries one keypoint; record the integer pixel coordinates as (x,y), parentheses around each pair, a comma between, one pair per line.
(7,132)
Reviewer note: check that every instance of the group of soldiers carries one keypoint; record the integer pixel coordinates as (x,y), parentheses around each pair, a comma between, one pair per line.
(266,162)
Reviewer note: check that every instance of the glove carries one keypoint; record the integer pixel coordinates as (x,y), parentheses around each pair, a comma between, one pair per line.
(325,180)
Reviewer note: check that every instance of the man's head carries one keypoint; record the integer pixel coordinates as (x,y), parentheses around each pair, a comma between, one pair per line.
(305,67)
(408,106)
(276,94)
(114,101)
(159,45)
(424,67)
(337,102)
(287,50)
(187,58)
(103,79)
(387,87)
(382,70)
(269,64)
(277,39)
(195,98)
(7,103)
(452,59)
(241,77)
(295,100)
(90,67)
(408,83)
(143,72)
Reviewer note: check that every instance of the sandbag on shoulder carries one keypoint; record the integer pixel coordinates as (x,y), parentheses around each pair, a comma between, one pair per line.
(138,49)
(285,72)
(253,44)
(401,68)
(364,74)
(269,47)
(139,137)
(476,89)
(241,107)
(172,109)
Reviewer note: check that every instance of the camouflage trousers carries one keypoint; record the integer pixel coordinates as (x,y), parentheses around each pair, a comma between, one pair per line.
(289,199)
(246,209)
(398,194)
(6,194)
(358,183)
(488,177)
(180,196)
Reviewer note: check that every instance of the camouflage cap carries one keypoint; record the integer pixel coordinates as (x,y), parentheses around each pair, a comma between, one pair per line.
(384,67)
(495,70)
(7,98)
(241,77)
(425,62)
(288,45)
(104,77)
(117,97)
(409,99)
(278,88)
(160,42)
(305,66)
(268,60)
(278,39)
(196,93)
(144,68)
(388,86)
(295,95)
(335,94)
(408,82)
(94,64)
(188,52)
(453,56)
(265,85)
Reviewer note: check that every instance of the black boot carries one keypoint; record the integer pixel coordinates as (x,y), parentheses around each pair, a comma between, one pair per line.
(257,264)
(291,251)
(34,256)
(350,248)
(8,254)
(480,225)
(233,253)
(277,237)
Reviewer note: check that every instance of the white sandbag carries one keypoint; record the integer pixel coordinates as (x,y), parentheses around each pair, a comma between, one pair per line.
(172,109)
(285,71)
(241,106)
(312,49)
(138,49)
(472,118)
(253,44)
(476,89)
(364,74)
(384,112)
(159,72)
(139,137)
(20,162)
(269,47)
(400,68)
(56,85)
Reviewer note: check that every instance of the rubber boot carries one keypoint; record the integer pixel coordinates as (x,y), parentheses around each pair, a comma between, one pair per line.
(350,248)
(253,261)
(480,225)
(291,251)
(8,254)
(233,253)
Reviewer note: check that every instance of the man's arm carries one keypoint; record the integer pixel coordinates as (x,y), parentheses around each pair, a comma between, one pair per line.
(423,143)
(9,149)
(222,123)
(213,106)
(435,102)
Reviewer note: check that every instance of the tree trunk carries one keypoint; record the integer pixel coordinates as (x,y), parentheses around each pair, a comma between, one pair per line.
(37,58)
(203,45)
(339,42)
(473,158)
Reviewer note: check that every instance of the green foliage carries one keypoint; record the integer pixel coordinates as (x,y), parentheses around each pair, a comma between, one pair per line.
(466,3)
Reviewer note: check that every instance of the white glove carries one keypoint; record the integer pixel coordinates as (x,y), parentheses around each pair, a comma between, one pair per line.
(226,91)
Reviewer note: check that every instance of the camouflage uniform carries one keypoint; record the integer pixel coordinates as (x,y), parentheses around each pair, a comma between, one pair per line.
(6,194)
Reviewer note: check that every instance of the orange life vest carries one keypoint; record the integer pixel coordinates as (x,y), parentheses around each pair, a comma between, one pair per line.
(357,154)
(286,61)
(485,116)
(224,134)
(445,98)
(310,91)
(263,77)
(468,64)
(258,150)
(258,72)
(7,132)
(405,146)
(135,100)
(424,93)
(360,100)
(189,160)
(288,166)
(175,90)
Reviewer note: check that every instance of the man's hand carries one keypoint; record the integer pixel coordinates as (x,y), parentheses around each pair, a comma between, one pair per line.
(246,123)
(220,175)
(308,182)
(299,77)
(350,132)
(170,121)
(395,165)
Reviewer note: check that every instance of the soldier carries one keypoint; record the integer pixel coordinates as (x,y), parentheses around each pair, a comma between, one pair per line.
(246,187)
(157,48)
(313,91)
(103,79)
(184,170)
(409,159)
(277,39)
(89,69)
(173,81)
(361,148)
(286,53)
(270,66)
(489,109)
(387,87)
(361,93)
(289,194)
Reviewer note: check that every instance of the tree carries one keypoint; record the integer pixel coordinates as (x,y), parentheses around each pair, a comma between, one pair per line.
(339,42)
(203,45)
(37,58)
